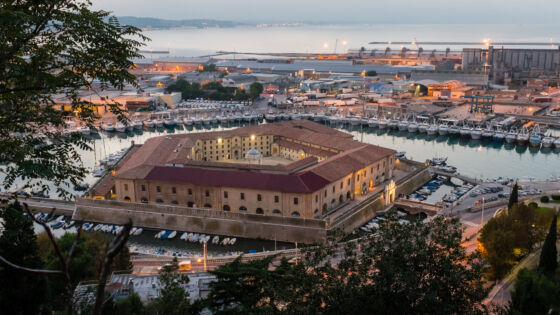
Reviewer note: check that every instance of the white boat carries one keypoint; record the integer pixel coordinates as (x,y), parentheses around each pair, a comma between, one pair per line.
(465,131)
(149,123)
(318,117)
(159,234)
(132,231)
(108,127)
(158,123)
(535,138)
(413,126)
(187,121)
(136,124)
(168,122)
(453,130)
(403,124)
(232,241)
(372,122)
(138,231)
(547,141)
(177,121)
(197,121)
(195,238)
(423,127)
(557,143)
(172,235)
(84,130)
(354,121)
(202,238)
(439,160)
(511,136)
(432,129)
(488,133)
(393,123)
(442,129)
(87,226)
(523,136)
(216,239)
(499,135)
(184,236)
(190,236)
(98,171)
(225,241)
(476,133)
(382,123)
(120,127)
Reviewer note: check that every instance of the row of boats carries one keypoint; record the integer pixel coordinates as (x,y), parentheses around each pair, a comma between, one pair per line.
(195,238)
(55,222)
(374,223)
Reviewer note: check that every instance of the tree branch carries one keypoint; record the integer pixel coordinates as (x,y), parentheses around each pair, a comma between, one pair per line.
(31,270)
(114,248)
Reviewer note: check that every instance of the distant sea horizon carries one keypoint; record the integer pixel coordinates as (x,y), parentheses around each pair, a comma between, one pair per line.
(325,38)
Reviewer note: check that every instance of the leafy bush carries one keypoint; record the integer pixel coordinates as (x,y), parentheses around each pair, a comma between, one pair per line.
(545,199)
(555,197)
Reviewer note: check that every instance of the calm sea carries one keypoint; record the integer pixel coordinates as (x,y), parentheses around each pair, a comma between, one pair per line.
(322,39)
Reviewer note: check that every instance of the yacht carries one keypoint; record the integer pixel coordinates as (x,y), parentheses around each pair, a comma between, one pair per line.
(120,127)
(443,129)
(423,126)
(355,121)
(393,123)
(382,123)
(453,130)
(137,124)
(488,133)
(413,126)
(270,116)
(476,133)
(108,127)
(197,121)
(187,121)
(149,123)
(433,129)
(511,136)
(372,122)
(403,124)
(523,136)
(177,121)
(535,137)
(557,143)
(158,123)
(499,135)
(168,122)
(465,131)
(547,141)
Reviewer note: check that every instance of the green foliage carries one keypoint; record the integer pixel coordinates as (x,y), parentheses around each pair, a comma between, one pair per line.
(384,278)
(17,245)
(514,196)
(506,237)
(555,197)
(209,68)
(371,73)
(549,253)
(545,199)
(211,90)
(255,90)
(173,298)
(534,293)
(47,48)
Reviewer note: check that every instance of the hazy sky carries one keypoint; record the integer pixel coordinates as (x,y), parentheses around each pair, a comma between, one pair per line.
(344,11)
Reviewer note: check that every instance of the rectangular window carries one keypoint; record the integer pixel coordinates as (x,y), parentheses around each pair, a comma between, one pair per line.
(316,198)
(143,187)
(325,192)
(333,188)
(259,197)
(126,187)
(242,196)
(173,190)
(296,201)
(190,191)
(371,171)
(276,199)
(225,194)
(341,183)
(207,193)
(348,182)
(158,188)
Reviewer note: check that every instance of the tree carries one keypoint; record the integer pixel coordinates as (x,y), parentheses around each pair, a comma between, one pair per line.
(173,298)
(514,197)
(549,255)
(534,293)
(371,73)
(18,245)
(255,90)
(380,274)
(209,68)
(47,48)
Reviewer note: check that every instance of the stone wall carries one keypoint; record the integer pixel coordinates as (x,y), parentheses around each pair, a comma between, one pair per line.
(213,222)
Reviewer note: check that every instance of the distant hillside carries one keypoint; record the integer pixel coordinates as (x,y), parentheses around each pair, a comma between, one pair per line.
(155,23)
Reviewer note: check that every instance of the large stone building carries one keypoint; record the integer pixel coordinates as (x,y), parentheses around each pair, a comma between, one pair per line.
(296,168)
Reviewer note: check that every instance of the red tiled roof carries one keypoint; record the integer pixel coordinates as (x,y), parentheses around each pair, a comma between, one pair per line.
(305,182)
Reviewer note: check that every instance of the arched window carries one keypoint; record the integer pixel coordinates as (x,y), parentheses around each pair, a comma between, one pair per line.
(340,198)
(260,211)
(226,208)
(276,211)
(190,204)
(175,202)
(144,200)
(295,214)
(159,201)
(348,195)
(242,208)
(127,198)
(324,207)
(207,205)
